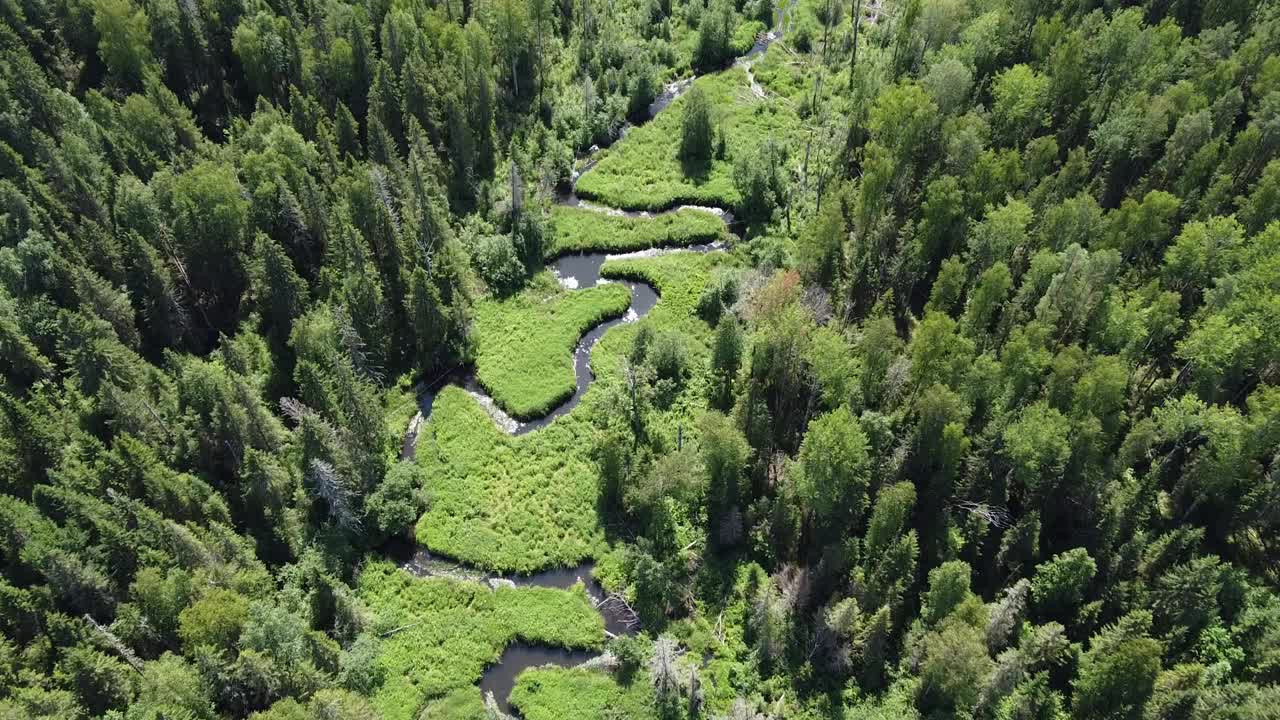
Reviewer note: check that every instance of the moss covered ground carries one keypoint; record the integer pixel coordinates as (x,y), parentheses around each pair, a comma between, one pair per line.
(525,342)
(524,503)
(449,630)
(643,171)
(584,230)
(546,693)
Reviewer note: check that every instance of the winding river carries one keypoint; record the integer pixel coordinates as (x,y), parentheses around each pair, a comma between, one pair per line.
(574,272)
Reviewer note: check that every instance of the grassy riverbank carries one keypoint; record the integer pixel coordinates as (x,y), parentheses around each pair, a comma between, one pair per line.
(525,342)
(519,504)
(507,503)
(643,172)
(583,230)
(447,631)
(547,693)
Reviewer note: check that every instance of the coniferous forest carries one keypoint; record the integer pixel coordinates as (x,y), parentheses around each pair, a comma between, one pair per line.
(639,359)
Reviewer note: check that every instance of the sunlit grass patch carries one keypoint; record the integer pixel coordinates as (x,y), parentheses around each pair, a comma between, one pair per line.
(507,503)
(583,230)
(520,504)
(525,342)
(642,171)
(779,73)
(461,704)
(552,693)
(450,630)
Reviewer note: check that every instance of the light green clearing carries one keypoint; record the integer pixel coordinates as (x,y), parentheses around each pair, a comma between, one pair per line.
(643,171)
(549,693)
(520,504)
(583,230)
(452,629)
(525,342)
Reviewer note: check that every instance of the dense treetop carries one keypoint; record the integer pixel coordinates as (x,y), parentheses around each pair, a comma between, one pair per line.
(977,415)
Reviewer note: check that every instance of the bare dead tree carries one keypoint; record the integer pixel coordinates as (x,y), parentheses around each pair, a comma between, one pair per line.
(993,514)
(617,605)
(111,639)
(330,486)
(662,667)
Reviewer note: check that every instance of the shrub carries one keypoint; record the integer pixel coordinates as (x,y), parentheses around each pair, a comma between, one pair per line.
(697,134)
(497,263)
(1061,582)
(216,620)
(721,294)
(670,356)
(392,508)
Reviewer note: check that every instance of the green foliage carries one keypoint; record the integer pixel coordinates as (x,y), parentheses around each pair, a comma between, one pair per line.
(393,507)
(1119,670)
(505,503)
(585,230)
(544,693)
(1061,582)
(948,588)
(449,630)
(123,38)
(1020,97)
(696,127)
(833,483)
(715,35)
(644,171)
(524,344)
(216,620)
(956,662)
(1008,270)
(529,502)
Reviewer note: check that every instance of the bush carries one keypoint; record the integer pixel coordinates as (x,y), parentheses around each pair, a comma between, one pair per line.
(497,263)
(758,181)
(642,90)
(631,652)
(640,344)
(670,356)
(720,295)
(215,620)
(1061,582)
(715,28)
(697,135)
(802,38)
(392,508)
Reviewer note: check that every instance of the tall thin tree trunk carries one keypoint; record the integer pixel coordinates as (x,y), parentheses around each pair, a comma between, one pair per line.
(853,58)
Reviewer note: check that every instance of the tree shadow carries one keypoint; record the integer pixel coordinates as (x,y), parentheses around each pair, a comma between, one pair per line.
(696,169)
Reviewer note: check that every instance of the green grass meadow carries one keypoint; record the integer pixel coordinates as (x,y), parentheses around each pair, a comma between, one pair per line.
(643,172)
(525,342)
(524,503)
(584,230)
(547,693)
(450,630)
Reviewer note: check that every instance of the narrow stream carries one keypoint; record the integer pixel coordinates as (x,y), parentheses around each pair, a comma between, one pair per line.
(574,272)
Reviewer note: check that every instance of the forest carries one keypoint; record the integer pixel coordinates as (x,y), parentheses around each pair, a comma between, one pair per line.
(639,359)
